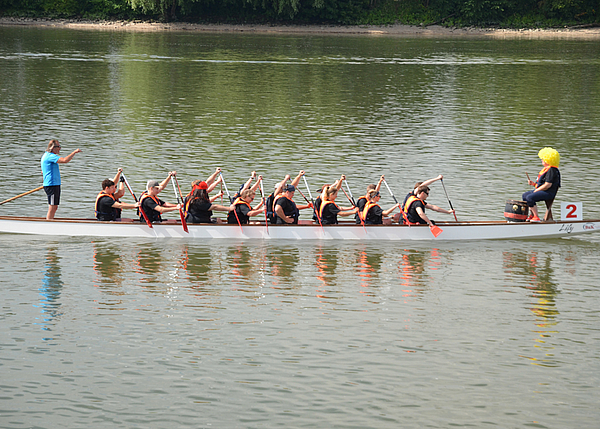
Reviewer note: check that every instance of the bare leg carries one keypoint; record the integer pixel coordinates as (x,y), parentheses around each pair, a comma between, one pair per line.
(51,212)
(534,211)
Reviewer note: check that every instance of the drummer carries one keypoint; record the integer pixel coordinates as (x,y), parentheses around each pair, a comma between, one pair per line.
(547,183)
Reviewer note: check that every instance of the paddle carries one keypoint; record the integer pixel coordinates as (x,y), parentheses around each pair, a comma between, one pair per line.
(179,201)
(311,201)
(136,200)
(435,230)
(449,202)
(22,195)
(262,196)
(395,200)
(231,201)
(351,199)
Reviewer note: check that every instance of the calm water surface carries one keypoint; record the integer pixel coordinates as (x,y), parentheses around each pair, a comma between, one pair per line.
(176,333)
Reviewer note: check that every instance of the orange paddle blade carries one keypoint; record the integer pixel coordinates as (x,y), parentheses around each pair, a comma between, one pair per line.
(435,230)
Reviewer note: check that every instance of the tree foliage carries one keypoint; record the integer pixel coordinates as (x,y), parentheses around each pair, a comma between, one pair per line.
(452,12)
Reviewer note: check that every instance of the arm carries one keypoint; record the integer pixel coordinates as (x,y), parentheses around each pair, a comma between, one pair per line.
(348,212)
(211,178)
(219,208)
(256,185)
(338,183)
(121,191)
(168,207)
(214,184)
(69,157)
(165,182)
(423,216)
(390,210)
(249,181)
(297,179)
(430,181)
(118,205)
(438,209)
(381,179)
(281,184)
(212,199)
(255,212)
(281,214)
(545,186)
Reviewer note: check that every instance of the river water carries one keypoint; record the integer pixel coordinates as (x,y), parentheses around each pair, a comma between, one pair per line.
(178,333)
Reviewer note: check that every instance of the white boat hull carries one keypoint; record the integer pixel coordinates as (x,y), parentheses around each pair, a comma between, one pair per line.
(347,231)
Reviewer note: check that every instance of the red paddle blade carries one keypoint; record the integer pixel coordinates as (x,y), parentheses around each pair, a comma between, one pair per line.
(183,222)
(435,230)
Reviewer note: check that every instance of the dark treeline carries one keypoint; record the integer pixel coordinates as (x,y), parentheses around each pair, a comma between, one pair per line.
(504,13)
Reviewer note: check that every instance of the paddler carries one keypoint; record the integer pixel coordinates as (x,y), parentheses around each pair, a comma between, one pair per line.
(285,208)
(322,195)
(547,183)
(415,206)
(152,206)
(277,193)
(108,207)
(329,210)
(372,213)
(241,211)
(360,203)
(199,206)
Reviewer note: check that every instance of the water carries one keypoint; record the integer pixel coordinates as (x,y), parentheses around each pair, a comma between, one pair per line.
(176,333)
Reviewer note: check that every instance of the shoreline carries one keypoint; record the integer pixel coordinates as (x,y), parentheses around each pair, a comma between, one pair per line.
(400,30)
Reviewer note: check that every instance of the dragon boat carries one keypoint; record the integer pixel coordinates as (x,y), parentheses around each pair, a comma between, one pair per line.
(306,230)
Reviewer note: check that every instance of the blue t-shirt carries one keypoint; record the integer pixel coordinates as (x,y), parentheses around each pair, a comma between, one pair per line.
(50,169)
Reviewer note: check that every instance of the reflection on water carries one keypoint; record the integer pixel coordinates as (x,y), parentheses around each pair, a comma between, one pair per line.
(535,272)
(50,290)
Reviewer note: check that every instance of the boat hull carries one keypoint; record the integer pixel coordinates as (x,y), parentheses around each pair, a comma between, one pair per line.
(451,230)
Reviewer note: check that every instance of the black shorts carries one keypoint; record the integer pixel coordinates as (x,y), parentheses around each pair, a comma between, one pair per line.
(53,193)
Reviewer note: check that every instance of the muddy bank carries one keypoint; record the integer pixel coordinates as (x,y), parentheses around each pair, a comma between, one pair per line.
(368,30)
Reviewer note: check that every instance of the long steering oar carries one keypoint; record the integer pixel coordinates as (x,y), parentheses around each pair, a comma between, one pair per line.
(449,202)
(262,196)
(231,201)
(136,200)
(311,201)
(180,202)
(22,195)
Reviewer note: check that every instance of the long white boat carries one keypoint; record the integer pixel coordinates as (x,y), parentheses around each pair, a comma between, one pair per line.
(480,230)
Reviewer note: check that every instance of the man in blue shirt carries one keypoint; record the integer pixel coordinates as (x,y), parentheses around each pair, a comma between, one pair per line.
(51,173)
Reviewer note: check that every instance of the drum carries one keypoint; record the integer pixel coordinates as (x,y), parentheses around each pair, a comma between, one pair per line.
(516,211)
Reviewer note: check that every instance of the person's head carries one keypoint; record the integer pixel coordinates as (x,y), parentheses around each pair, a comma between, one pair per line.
(248,195)
(330,193)
(200,194)
(107,184)
(289,190)
(199,184)
(371,187)
(53,146)
(373,195)
(549,156)
(422,192)
(417,185)
(153,187)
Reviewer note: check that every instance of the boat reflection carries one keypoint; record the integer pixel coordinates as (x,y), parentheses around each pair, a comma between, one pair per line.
(108,266)
(50,291)
(533,272)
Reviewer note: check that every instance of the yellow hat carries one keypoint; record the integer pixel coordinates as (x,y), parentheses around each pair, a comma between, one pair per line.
(550,156)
